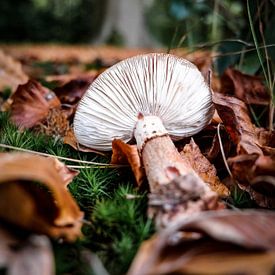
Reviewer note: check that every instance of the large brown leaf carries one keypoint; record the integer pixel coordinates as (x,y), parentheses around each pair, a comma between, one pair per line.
(31,104)
(191,152)
(248,88)
(234,115)
(31,255)
(219,242)
(33,196)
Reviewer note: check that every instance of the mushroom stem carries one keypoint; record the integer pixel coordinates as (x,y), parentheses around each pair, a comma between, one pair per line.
(161,159)
(162,162)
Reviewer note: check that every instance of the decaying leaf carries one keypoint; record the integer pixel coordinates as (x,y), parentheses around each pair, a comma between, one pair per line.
(216,242)
(56,123)
(123,154)
(27,256)
(234,115)
(72,91)
(33,196)
(12,74)
(67,174)
(70,139)
(256,175)
(191,152)
(248,88)
(31,104)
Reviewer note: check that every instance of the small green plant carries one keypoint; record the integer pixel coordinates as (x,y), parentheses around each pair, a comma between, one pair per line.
(116,225)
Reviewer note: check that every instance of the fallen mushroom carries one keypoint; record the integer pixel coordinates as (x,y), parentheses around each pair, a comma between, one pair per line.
(149,97)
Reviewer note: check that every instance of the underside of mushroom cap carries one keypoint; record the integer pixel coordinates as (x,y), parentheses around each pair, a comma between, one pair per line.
(162,85)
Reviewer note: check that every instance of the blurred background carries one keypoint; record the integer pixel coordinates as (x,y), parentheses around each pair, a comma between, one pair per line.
(218,25)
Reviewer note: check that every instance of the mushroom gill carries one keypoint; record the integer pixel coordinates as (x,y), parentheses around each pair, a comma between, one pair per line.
(161,85)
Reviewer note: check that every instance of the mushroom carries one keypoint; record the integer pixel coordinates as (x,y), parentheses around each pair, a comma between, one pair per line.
(152,97)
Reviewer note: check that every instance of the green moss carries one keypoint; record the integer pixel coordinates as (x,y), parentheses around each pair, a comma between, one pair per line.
(117,225)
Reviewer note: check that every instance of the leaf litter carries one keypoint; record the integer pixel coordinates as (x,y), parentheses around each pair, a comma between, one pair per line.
(216,241)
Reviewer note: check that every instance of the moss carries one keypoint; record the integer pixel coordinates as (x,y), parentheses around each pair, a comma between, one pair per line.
(116,225)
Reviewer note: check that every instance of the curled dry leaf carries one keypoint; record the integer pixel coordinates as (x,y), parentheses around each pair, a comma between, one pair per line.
(256,175)
(29,256)
(191,152)
(67,174)
(123,154)
(234,115)
(218,242)
(31,104)
(35,198)
(11,72)
(248,88)
(70,139)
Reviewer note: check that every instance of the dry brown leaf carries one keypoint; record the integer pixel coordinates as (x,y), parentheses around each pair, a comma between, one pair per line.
(123,154)
(11,72)
(256,175)
(31,104)
(72,91)
(248,88)
(201,165)
(218,242)
(34,196)
(234,115)
(70,139)
(265,137)
(26,256)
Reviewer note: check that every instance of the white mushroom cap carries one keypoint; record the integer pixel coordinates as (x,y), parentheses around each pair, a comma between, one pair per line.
(161,85)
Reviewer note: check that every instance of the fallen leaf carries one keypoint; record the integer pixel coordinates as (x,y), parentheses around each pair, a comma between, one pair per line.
(12,74)
(201,165)
(237,122)
(70,139)
(67,174)
(31,104)
(35,198)
(248,88)
(216,242)
(72,91)
(128,154)
(27,256)
(256,175)
(266,139)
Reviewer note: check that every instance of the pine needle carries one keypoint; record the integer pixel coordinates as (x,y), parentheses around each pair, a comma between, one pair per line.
(107,165)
